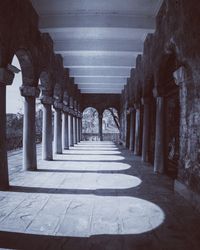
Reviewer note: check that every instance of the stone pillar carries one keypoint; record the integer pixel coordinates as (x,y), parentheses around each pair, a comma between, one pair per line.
(6,78)
(137,130)
(146,126)
(58,128)
(100,127)
(47,135)
(132,129)
(76,130)
(81,128)
(29,129)
(159,138)
(72,129)
(65,132)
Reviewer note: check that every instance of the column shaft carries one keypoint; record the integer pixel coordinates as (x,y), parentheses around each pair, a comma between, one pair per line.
(71,130)
(132,131)
(65,131)
(100,128)
(29,134)
(159,138)
(4,181)
(146,136)
(76,130)
(137,132)
(47,152)
(58,131)
(81,137)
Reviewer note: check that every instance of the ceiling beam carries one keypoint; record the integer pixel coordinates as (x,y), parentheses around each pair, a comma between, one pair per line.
(98,60)
(52,22)
(98,44)
(100,91)
(121,72)
(100,80)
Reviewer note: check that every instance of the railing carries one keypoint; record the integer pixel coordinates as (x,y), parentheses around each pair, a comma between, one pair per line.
(15,142)
(106,137)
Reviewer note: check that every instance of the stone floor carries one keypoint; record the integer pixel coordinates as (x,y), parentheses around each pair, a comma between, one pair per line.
(94,197)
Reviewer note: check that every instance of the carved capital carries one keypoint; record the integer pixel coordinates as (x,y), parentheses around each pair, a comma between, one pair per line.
(136,106)
(29,91)
(157,92)
(48,100)
(179,75)
(6,76)
(145,100)
(58,105)
(66,109)
(131,109)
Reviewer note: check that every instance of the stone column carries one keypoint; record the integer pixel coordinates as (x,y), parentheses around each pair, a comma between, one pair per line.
(81,128)
(76,130)
(72,129)
(6,78)
(100,127)
(159,138)
(137,130)
(146,126)
(47,135)
(65,132)
(29,129)
(132,129)
(58,128)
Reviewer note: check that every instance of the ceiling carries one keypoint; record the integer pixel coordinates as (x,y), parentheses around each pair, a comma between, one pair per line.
(99,40)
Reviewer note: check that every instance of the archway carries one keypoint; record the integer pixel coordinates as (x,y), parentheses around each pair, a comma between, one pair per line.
(14,110)
(111,125)
(171,110)
(90,124)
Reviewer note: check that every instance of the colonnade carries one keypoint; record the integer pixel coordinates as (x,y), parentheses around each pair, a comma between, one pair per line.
(57,140)
(139,141)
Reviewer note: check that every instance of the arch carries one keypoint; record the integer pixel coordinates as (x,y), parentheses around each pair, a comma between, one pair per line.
(90,124)
(27,68)
(110,124)
(14,110)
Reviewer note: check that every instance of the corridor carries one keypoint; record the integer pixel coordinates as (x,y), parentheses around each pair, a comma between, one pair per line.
(94,196)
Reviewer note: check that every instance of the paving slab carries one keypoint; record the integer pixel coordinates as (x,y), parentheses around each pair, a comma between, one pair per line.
(94,196)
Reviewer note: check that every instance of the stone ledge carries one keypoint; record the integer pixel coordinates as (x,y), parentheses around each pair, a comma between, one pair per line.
(188,194)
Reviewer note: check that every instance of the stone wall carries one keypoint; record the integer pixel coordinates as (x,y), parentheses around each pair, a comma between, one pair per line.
(174,46)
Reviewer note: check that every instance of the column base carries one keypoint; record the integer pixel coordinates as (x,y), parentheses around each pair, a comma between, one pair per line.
(189,195)
(4,187)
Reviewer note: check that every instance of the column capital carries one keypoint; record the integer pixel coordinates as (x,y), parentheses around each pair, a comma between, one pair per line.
(145,100)
(66,109)
(136,106)
(179,75)
(47,100)
(6,76)
(29,91)
(58,105)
